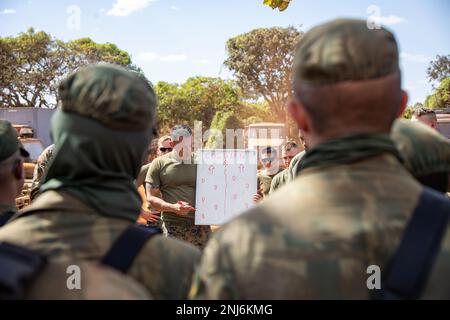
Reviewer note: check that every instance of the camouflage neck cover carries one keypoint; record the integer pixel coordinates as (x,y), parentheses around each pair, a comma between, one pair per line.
(96,164)
(347,150)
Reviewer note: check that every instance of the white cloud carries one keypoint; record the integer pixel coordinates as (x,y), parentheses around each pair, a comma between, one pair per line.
(123,8)
(8,11)
(411,57)
(388,20)
(175,8)
(153,56)
(173,58)
(202,61)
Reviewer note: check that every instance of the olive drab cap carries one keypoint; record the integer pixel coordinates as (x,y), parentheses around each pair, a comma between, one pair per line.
(9,141)
(112,95)
(344,50)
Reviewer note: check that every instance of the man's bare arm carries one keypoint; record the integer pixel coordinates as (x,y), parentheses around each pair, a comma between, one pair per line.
(156,203)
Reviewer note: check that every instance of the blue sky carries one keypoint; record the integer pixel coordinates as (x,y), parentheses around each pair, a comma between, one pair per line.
(172,40)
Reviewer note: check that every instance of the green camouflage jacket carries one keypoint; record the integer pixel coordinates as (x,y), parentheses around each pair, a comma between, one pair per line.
(305,243)
(60,226)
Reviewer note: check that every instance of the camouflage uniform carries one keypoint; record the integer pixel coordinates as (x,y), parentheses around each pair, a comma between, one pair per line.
(264,181)
(9,145)
(39,170)
(60,226)
(279,180)
(303,242)
(293,166)
(97,282)
(425,153)
(87,196)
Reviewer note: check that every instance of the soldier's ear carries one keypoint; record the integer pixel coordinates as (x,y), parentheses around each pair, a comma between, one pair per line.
(403,103)
(298,113)
(18,170)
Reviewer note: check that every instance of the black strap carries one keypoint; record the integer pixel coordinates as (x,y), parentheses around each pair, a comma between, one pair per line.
(5,216)
(411,264)
(122,253)
(18,266)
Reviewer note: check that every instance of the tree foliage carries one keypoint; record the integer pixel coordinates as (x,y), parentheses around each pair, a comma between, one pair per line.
(33,63)
(440,97)
(222,121)
(261,61)
(439,69)
(197,99)
(277,4)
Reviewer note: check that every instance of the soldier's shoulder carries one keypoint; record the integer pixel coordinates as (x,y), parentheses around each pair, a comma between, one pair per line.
(171,249)
(97,282)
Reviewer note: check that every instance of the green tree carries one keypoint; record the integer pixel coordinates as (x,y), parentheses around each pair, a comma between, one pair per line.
(407,114)
(222,121)
(207,95)
(172,106)
(440,97)
(261,61)
(197,99)
(439,69)
(33,63)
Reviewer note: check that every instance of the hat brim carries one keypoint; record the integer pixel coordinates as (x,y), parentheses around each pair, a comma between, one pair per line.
(24,153)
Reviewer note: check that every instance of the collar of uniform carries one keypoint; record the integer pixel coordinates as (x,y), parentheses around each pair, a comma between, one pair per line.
(347,150)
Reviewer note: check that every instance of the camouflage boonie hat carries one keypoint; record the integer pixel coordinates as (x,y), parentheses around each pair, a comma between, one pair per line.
(344,50)
(424,150)
(112,95)
(9,141)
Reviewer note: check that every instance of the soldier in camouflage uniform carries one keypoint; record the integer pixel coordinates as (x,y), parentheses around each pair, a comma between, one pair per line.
(315,237)
(12,175)
(87,196)
(425,153)
(288,152)
(39,170)
(97,282)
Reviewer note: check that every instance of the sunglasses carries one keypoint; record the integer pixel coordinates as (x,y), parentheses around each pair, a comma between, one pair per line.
(163,149)
(267,159)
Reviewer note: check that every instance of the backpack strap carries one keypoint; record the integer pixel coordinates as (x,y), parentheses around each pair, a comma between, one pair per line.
(409,269)
(5,217)
(18,267)
(127,246)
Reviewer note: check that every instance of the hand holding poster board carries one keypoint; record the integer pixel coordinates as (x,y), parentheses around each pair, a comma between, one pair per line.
(226,183)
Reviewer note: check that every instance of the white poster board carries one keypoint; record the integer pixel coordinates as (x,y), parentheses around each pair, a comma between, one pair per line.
(226,184)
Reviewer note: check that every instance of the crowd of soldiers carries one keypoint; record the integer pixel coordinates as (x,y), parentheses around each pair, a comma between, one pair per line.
(348,197)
